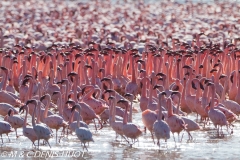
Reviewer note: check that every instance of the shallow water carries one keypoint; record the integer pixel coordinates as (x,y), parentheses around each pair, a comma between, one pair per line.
(205,145)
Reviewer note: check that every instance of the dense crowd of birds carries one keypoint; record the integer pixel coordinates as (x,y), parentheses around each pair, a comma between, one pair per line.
(68,65)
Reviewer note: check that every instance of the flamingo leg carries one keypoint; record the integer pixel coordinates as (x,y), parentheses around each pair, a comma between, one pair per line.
(56,136)
(182,137)
(95,124)
(125,138)
(116,136)
(67,130)
(8,138)
(190,136)
(38,143)
(178,138)
(158,143)
(84,146)
(2,138)
(174,138)
(48,143)
(16,133)
(101,126)
(152,137)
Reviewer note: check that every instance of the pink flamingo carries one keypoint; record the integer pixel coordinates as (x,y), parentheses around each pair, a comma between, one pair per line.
(16,121)
(53,121)
(175,122)
(217,117)
(130,130)
(83,134)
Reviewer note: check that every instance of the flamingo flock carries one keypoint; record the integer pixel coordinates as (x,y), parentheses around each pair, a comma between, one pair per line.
(69,66)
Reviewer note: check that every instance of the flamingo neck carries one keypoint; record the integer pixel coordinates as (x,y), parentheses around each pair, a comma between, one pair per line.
(86,77)
(111,119)
(170,110)
(75,85)
(179,102)
(25,120)
(188,87)
(54,64)
(29,91)
(178,70)
(198,63)
(33,117)
(60,108)
(144,88)
(114,75)
(93,73)
(71,118)
(224,91)
(81,74)
(89,94)
(5,80)
(46,67)
(167,79)
(33,60)
(159,118)
(66,92)
(130,113)
(46,109)
(78,119)
(238,83)
(133,72)
(125,118)
(150,94)
(114,110)
(51,78)
(109,63)
(218,73)
(213,95)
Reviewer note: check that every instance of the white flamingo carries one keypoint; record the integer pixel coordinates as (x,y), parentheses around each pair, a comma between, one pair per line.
(73,124)
(83,134)
(41,130)
(160,127)
(28,130)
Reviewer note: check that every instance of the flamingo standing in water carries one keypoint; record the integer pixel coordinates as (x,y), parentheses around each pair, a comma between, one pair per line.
(160,127)
(175,122)
(28,130)
(41,130)
(217,117)
(16,121)
(83,134)
(191,125)
(74,124)
(53,121)
(117,126)
(130,130)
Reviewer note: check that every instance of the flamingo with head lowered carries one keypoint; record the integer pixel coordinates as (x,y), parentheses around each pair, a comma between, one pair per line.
(16,121)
